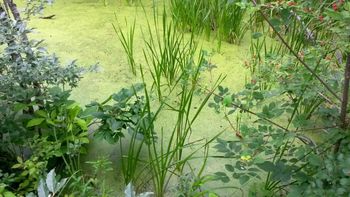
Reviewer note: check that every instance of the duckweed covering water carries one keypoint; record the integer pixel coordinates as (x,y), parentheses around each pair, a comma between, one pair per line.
(82,30)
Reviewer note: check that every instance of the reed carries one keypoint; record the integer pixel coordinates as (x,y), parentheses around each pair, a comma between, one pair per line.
(127,41)
(175,69)
(225,18)
(168,54)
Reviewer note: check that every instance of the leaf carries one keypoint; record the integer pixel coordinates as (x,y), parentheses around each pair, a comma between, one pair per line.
(41,113)
(42,189)
(114,125)
(51,181)
(35,122)
(84,140)
(73,112)
(221,148)
(60,184)
(256,35)
(222,177)
(276,23)
(267,166)
(229,168)
(17,166)
(82,123)
(89,112)
(243,179)
(227,101)
(258,96)
(217,99)
(129,190)
(20,106)
(314,160)
(231,111)
(9,194)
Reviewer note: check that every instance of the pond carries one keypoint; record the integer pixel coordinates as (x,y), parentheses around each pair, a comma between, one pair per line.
(83,30)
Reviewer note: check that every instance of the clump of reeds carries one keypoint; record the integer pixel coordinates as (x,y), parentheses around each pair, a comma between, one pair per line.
(127,41)
(224,18)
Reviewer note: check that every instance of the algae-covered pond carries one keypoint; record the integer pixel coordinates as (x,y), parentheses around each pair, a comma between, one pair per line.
(174,98)
(83,30)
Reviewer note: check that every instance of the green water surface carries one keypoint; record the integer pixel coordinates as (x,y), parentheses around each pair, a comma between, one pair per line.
(82,30)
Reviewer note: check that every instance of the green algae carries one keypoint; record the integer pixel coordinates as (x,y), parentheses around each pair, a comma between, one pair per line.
(82,30)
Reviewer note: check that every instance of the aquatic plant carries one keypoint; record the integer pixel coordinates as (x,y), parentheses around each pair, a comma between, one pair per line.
(225,18)
(168,54)
(127,41)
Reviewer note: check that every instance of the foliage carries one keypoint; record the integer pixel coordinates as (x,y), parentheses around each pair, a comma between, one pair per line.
(130,192)
(39,126)
(291,99)
(50,186)
(124,114)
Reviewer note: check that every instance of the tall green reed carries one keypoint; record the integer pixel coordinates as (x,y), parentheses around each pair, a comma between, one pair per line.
(168,54)
(167,158)
(174,66)
(225,18)
(127,41)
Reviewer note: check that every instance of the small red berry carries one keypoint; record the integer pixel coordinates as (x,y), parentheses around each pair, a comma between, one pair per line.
(321,18)
(292,3)
(335,6)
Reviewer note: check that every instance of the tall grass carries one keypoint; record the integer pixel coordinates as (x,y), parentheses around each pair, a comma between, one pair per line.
(225,18)
(168,54)
(127,41)
(174,66)
(167,158)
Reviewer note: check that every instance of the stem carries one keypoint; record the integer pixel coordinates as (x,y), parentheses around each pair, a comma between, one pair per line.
(345,100)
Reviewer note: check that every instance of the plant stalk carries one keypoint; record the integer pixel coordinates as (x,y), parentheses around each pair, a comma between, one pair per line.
(345,101)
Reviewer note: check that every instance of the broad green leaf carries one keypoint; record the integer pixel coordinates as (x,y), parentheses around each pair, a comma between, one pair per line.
(243,179)
(35,122)
(41,113)
(227,101)
(82,124)
(267,166)
(258,95)
(9,194)
(222,177)
(229,168)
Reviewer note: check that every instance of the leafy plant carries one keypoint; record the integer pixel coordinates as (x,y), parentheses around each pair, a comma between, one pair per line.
(124,113)
(130,192)
(274,146)
(51,186)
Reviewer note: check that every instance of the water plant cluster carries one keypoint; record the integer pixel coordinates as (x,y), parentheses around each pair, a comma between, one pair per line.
(288,127)
(223,18)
